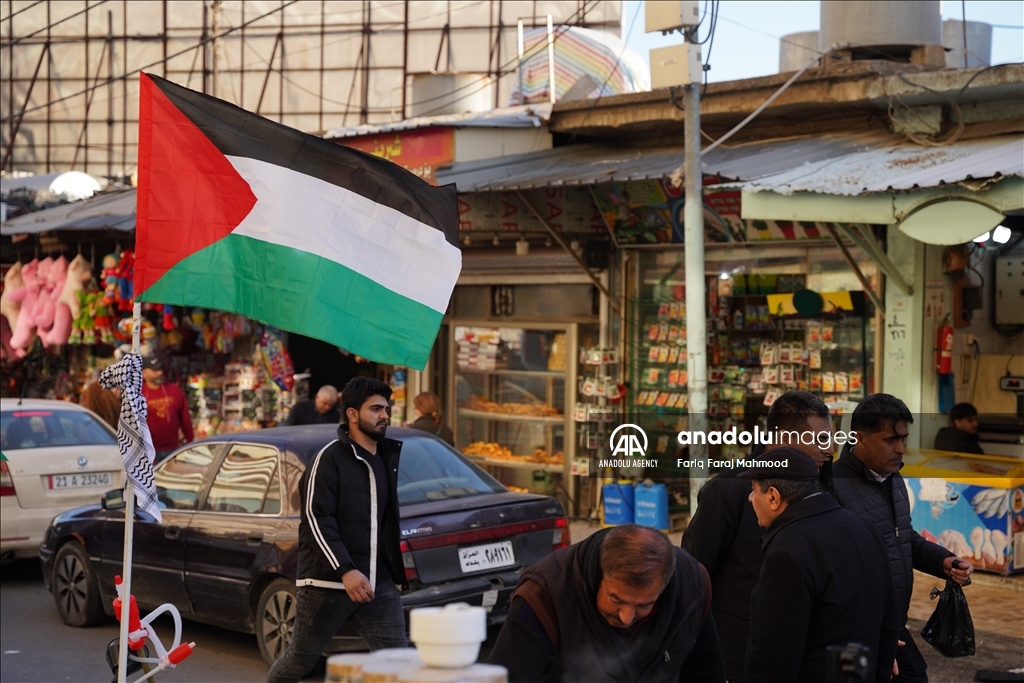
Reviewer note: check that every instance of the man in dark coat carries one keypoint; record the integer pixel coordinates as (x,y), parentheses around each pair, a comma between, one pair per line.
(723,534)
(622,605)
(321,410)
(824,580)
(962,435)
(349,555)
(868,483)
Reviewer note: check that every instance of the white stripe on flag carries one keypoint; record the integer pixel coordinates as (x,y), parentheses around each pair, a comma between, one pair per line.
(387,246)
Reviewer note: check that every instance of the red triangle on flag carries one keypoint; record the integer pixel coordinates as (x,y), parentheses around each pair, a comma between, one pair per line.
(189,195)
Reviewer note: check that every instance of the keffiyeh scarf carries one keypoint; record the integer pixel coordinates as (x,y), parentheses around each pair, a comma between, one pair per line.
(133,438)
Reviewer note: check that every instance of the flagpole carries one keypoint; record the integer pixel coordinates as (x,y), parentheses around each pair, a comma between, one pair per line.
(129,528)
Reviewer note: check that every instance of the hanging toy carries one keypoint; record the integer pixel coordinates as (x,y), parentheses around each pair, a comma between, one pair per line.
(110,281)
(125,281)
(104,321)
(168,323)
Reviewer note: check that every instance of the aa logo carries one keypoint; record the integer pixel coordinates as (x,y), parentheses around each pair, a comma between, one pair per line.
(628,444)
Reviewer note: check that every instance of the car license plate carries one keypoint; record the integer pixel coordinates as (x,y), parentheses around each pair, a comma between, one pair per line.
(481,557)
(80,480)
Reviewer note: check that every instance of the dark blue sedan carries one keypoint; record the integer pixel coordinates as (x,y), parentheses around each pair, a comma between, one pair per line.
(227,548)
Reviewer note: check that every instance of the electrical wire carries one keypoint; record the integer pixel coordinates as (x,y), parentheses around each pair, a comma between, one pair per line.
(56,23)
(23,9)
(600,91)
(89,89)
(540,47)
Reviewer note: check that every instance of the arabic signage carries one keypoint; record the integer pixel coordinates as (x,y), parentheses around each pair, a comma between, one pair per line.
(566,210)
(421,151)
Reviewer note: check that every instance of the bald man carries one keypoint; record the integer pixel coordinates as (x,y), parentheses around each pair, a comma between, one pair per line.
(322,410)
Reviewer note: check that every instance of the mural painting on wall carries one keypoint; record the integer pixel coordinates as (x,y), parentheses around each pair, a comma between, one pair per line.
(651,212)
(565,209)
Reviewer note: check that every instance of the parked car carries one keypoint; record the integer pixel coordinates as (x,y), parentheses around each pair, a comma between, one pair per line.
(226,551)
(57,456)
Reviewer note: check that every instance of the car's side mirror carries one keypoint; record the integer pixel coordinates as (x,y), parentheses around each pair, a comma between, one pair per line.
(113,500)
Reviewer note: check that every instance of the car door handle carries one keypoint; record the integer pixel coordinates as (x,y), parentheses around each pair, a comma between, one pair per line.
(254,538)
(172,533)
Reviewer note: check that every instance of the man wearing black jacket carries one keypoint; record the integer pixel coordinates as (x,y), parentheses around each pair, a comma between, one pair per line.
(824,581)
(723,534)
(349,555)
(868,482)
(621,605)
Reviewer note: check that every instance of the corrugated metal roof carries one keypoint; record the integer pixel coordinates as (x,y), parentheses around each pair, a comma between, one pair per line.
(106,211)
(594,163)
(903,167)
(530,116)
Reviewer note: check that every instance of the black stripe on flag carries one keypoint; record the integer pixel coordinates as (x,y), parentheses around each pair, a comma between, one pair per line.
(237,132)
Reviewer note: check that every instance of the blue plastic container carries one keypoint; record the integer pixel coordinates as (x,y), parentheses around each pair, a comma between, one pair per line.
(618,503)
(652,506)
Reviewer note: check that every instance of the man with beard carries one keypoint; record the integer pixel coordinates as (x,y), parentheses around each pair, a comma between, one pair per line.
(349,555)
(724,535)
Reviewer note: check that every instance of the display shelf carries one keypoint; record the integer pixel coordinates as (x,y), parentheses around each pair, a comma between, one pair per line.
(513,373)
(514,465)
(502,417)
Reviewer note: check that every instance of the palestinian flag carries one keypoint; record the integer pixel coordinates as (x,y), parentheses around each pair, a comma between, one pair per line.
(238,213)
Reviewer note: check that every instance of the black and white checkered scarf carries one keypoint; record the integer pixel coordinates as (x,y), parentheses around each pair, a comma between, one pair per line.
(133,438)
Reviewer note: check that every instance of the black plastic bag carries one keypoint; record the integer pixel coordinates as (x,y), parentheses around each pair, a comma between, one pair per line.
(950,629)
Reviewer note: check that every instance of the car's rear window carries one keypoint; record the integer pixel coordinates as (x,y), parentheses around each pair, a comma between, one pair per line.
(31,428)
(429,470)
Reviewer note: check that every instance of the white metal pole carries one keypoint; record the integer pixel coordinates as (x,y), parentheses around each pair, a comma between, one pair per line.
(129,527)
(696,317)
(522,95)
(551,60)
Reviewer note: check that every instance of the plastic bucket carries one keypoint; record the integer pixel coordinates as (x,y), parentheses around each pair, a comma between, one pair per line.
(652,506)
(618,503)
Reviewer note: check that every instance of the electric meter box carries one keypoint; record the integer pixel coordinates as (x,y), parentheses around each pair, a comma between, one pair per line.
(668,16)
(1009,279)
(676,65)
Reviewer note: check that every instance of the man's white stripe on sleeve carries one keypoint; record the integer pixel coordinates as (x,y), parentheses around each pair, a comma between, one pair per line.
(311,518)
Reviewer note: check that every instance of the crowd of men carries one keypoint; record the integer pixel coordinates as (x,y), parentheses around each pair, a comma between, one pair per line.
(782,561)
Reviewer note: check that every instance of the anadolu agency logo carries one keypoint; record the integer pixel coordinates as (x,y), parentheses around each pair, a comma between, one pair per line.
(628,443)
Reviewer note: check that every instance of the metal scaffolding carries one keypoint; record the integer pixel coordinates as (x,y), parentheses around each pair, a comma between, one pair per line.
(69,84)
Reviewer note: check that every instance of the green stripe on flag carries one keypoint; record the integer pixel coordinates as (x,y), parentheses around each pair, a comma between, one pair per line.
(301,292)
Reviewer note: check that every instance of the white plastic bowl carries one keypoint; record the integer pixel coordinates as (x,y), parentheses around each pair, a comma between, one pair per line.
(448,637)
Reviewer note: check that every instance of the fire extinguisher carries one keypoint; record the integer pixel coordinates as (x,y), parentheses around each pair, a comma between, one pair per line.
(944,348)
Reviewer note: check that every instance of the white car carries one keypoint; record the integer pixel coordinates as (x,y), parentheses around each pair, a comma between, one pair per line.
(57,456)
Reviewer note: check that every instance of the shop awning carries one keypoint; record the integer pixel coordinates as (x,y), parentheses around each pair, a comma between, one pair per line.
(590,164)
(106,211)
(902,167)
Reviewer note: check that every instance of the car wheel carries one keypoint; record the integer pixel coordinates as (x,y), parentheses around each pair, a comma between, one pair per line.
(275,619)
(74,587)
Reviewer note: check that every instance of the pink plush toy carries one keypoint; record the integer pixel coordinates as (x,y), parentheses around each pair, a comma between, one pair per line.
(8,307)
(68,305)
(48,295)
(60,329)
(27,295)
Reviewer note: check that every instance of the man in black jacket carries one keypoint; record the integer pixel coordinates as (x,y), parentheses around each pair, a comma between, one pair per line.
(322,410)
(824,581)
(349,555)
(868,482)
(622,605)
(962,435)
(723,534)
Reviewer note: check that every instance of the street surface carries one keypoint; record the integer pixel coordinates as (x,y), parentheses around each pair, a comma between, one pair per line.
(38,648)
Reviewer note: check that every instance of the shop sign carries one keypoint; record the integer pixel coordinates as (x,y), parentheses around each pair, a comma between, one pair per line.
(420,151)
(565,209)
(651,212)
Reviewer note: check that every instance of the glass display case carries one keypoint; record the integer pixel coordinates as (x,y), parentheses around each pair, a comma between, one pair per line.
(513,388)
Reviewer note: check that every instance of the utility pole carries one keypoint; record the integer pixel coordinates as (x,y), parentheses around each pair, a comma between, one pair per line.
(672,67)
